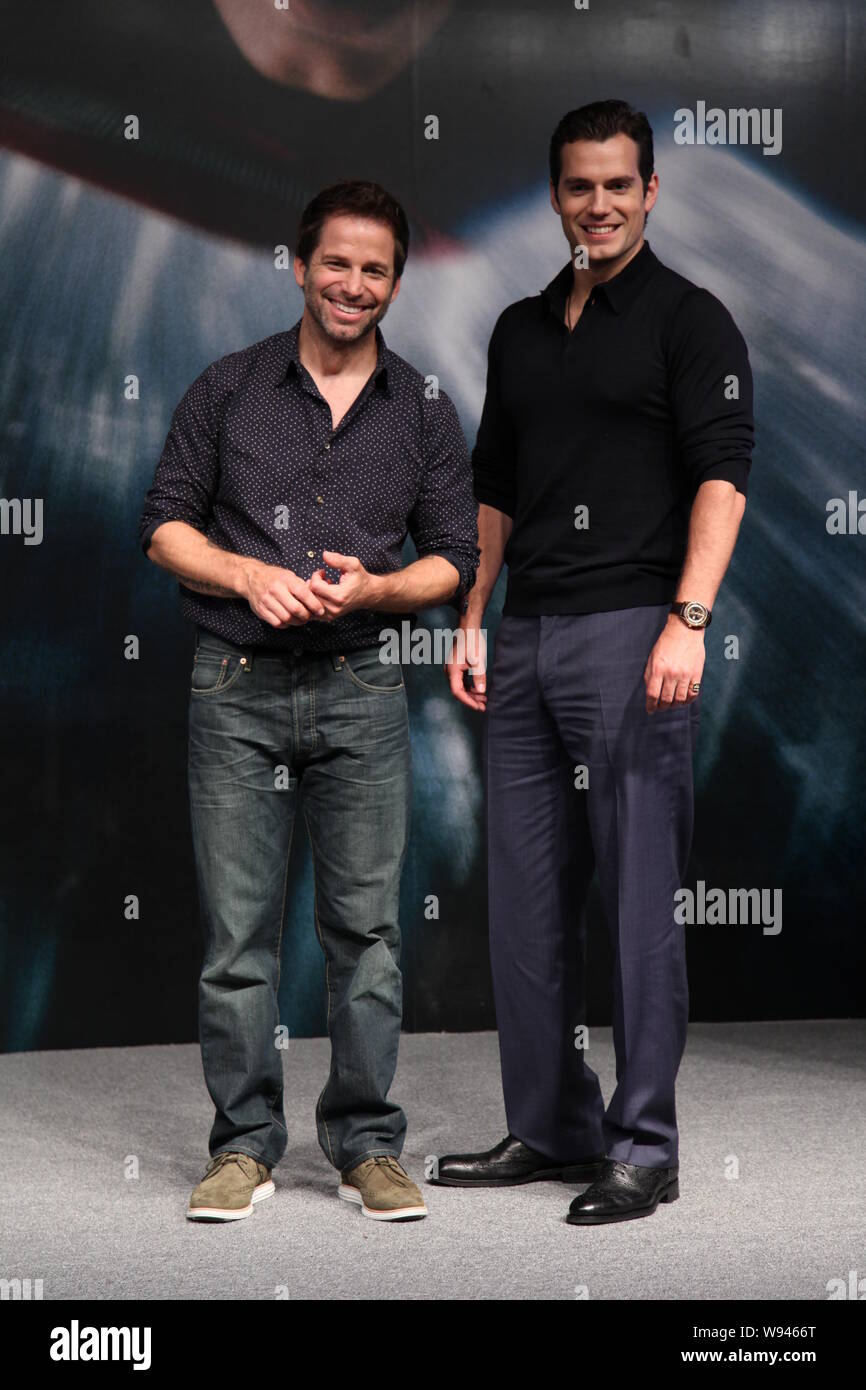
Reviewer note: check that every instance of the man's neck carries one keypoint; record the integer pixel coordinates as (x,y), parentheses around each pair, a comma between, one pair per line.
(323,357)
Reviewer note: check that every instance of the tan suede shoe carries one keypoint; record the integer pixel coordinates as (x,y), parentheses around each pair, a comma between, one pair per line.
(231,1183)
(382,1190)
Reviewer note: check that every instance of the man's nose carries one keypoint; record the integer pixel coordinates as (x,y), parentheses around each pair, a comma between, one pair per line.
(353,283)
(599,201)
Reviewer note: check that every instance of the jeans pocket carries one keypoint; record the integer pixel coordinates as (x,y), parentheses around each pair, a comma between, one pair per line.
(215,669)
(367,670)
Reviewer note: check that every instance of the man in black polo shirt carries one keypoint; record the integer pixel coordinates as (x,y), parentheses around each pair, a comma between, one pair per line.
(290,477)
(611,468)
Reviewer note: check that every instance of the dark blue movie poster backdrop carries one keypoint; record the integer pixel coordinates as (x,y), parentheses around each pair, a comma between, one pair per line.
(143,259)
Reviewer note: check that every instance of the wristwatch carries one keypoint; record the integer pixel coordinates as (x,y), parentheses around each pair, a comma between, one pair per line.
(693,614)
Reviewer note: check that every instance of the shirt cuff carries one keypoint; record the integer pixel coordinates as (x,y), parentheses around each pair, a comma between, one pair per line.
(733,471)
(148,531)
(147,534)
(494,497)
(467,568)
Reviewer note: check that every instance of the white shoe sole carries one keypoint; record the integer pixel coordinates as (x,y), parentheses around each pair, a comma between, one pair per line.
(264,1189)
(351,1194)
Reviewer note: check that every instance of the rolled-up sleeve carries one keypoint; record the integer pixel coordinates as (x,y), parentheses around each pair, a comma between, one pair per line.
(711,392)
(187,474)
(493,455)
(444,519)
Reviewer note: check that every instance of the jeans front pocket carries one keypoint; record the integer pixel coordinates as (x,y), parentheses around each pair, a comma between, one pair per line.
(215,669)
(368,671)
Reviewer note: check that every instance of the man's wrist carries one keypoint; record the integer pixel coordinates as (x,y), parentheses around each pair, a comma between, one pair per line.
(471,618)
(692,612)
(475,610)
(377,590)
(675,621)
(240,575)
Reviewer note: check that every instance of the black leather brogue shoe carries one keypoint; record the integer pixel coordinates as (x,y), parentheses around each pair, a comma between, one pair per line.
(509,1164)
(622,1192)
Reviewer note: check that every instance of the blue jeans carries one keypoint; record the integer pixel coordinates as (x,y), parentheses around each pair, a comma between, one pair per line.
(267,732)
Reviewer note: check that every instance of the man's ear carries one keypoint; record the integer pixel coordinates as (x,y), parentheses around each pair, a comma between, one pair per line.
(300,270)
(554,201)
(396,290)
(652,193)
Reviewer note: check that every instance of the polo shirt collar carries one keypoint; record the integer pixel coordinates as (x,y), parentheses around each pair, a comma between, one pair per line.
(293,359)
(618,291)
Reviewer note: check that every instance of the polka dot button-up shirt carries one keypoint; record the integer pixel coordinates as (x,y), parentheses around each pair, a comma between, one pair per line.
(252,461)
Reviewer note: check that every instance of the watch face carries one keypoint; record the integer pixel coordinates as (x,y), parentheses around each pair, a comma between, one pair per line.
(695,614)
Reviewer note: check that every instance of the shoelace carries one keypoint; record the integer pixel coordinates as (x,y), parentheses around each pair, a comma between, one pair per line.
(388,1161)
(222,1159)
(622,1168)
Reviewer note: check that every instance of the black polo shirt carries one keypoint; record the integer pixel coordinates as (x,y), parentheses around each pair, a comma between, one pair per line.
(253,461)
(648,397)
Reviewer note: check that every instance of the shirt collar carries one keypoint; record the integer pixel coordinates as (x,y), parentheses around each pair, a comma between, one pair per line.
(619,291)
(293,359)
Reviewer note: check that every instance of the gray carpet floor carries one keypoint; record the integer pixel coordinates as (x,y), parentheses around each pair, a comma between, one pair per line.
(781,1105)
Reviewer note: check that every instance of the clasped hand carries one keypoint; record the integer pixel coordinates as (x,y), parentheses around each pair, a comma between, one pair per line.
(280,597)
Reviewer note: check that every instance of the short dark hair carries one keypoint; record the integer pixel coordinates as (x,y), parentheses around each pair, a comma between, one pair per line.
(358,198)
(600,120)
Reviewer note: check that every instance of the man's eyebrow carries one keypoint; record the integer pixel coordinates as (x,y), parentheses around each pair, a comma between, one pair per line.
(614,178)
(368,265)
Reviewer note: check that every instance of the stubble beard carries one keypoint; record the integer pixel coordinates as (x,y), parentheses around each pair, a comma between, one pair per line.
(311,300)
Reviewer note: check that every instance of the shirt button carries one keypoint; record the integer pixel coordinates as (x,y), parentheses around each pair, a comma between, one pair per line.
(312,554)
(320,499)
(327,446)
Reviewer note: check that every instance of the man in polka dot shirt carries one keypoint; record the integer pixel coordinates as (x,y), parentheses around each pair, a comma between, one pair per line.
(292,472)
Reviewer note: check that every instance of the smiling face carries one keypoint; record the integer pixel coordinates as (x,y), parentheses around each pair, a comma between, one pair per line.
(600,199)
(349,281)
